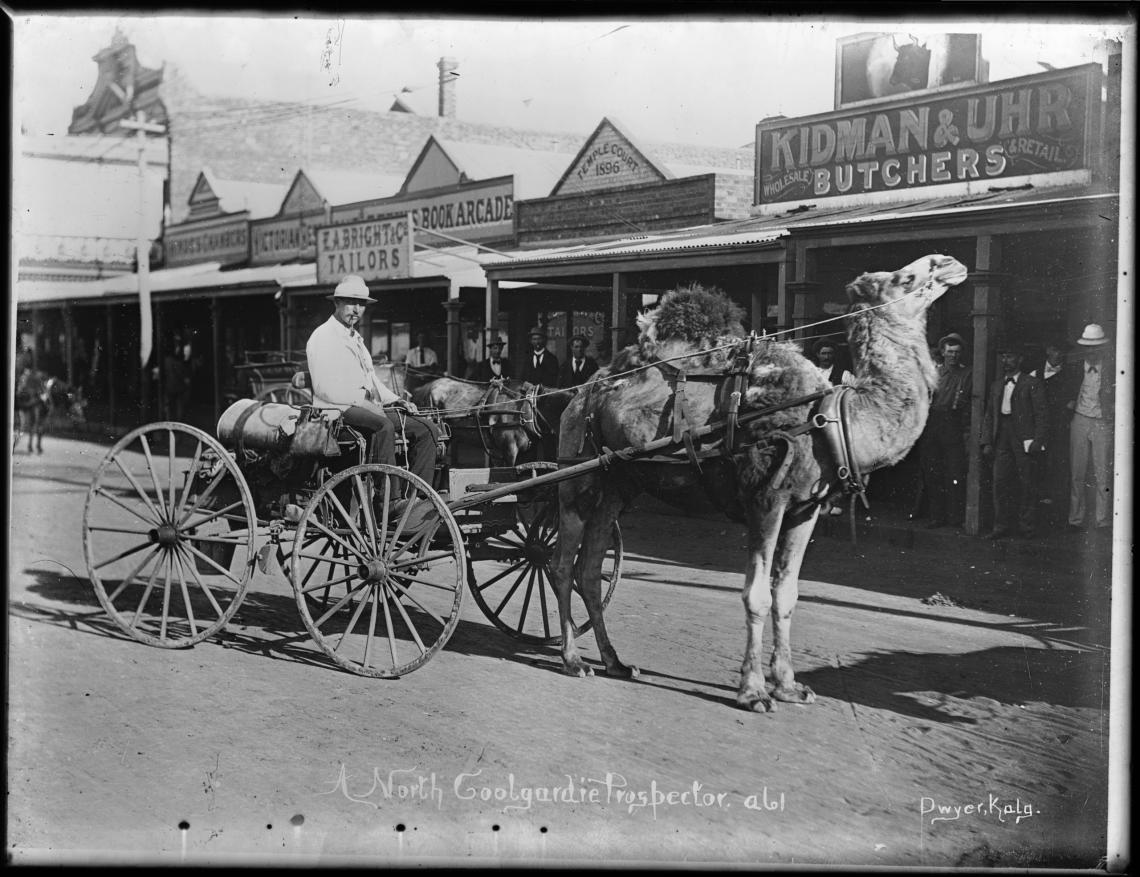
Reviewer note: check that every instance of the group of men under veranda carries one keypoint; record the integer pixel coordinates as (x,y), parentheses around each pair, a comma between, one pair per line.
(1042,428)
(1048,420)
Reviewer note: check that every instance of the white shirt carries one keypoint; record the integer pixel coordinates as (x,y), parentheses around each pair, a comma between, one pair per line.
(846,379)
(496,366)
(341,368)
(1007,393)
(1088,402)
(421,357)
(472,350)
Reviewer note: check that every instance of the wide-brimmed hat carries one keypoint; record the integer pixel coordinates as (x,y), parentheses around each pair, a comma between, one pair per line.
(950,338)
(495,341)
(537,330)
(1093,336)
(825,342)
(352,287)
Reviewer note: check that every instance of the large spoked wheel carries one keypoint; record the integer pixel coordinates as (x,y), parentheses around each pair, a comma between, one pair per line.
(510,573)
(168,535)
(287,395)
(378,570)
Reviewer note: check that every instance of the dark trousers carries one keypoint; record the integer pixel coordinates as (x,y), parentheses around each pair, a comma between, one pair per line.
(942,453)
(383,424)
(1015,489)
(1054,471)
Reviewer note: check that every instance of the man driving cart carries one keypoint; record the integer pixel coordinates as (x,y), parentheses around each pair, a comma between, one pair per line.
(344,378)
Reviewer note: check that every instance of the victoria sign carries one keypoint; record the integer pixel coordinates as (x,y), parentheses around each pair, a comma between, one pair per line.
(1031,125)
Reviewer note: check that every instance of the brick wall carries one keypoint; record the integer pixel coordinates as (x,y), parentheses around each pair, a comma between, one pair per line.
(647,207)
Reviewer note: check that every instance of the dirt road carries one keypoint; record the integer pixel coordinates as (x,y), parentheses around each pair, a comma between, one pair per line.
(942,735)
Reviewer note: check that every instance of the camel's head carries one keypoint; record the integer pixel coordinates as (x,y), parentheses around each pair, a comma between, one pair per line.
(915,287)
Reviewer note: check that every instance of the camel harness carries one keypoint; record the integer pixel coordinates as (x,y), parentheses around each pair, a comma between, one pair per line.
(829,415)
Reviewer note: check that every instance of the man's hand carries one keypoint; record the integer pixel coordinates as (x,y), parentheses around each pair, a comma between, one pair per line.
(987,450)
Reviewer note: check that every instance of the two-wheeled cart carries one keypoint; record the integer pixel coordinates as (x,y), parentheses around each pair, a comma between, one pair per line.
(177,522)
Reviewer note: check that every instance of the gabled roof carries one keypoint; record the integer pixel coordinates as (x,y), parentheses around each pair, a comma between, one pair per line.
(347,187)
(534,171)
(260,199)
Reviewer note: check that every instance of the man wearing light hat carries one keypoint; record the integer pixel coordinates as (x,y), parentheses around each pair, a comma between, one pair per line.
(344,378)
(1090,433)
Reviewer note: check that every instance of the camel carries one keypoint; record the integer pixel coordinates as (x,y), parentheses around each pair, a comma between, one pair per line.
(775,486)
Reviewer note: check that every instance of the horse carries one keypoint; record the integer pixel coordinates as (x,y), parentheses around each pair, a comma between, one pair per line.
(39,400)
(403,379)
(506,415)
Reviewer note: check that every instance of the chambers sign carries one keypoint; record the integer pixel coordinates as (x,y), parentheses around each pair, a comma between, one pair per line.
(1031,125)
(376,249)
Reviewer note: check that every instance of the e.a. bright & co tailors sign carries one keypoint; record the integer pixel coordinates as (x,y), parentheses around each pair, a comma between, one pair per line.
(1030,125)
(376,249)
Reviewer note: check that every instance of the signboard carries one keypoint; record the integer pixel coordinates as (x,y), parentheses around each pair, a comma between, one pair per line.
(376,249)
(474,213)
(882,65)
(214,240)
(280,240)
(608,160)
(1032,125)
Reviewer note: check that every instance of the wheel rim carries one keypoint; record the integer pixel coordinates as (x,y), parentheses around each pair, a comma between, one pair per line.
(379,595)
(510,573)
(169,532)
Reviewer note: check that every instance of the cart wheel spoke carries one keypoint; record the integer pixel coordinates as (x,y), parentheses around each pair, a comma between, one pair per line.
(159,494)
(409,573)
(205,563)
(528,547)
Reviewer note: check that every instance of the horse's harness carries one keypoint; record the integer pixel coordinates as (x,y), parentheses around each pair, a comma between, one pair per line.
(526,412)
(829,414)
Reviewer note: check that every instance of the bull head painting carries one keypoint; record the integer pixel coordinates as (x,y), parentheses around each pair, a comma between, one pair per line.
(912,69)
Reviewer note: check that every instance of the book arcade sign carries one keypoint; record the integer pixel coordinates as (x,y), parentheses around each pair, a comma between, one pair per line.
(1031,125)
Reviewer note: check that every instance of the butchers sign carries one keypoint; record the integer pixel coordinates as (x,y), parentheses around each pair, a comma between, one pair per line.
(376,249)
(1030,125)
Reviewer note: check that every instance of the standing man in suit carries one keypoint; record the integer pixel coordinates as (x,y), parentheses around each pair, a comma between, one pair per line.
(1013,432)
(540,365)
(1090,434)
(1054,473)
(942,447)
(344,378)
(495,365)
(578,367)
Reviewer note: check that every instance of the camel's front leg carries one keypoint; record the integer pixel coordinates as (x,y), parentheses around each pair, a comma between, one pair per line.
(763,528)
(790,550)
(570,529)
(591,558)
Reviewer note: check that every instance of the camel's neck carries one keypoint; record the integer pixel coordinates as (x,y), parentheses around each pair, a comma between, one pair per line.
(895,379)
